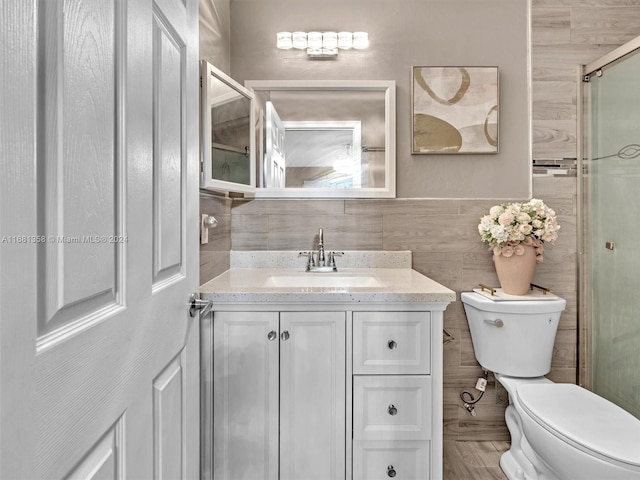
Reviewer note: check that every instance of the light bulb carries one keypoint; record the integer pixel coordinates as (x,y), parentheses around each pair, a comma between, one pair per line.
(284,40)
(345,40)
(300,40)
(330,40)
(360,40)
(314,40)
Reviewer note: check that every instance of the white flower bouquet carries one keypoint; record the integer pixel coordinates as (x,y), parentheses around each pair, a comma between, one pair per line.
(509,227)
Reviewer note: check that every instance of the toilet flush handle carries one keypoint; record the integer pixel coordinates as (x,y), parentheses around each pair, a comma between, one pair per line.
(496,323)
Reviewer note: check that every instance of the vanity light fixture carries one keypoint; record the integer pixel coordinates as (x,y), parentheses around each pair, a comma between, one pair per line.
(322,44)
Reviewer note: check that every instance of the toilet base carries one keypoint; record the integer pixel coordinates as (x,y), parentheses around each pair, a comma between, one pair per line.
(520,462)
(511,467)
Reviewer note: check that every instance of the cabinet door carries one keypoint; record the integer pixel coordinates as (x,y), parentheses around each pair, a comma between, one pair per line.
(228,133)
(245,399)
(312,395)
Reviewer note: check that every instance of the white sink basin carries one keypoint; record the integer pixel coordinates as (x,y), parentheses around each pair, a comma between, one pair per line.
(323,280)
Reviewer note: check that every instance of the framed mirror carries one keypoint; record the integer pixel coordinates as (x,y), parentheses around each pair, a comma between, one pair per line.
(327,138)
(228,133)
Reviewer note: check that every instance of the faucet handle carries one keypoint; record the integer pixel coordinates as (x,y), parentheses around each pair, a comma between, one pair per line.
(310,261)
(332,258)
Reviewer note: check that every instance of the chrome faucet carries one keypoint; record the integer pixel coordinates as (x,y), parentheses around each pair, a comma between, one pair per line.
(321,260)
(321,263)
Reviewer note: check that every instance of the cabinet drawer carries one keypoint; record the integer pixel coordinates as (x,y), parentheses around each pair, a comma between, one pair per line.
(392,408)
(391,342)
(383,460)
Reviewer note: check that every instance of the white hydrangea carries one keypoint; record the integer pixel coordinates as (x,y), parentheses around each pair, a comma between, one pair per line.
(509,225)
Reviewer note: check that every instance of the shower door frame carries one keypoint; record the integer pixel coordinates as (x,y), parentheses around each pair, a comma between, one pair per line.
(584,72)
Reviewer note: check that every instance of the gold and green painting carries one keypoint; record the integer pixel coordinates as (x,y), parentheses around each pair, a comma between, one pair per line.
(454,110)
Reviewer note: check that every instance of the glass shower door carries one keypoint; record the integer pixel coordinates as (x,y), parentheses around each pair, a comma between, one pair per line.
(612,241)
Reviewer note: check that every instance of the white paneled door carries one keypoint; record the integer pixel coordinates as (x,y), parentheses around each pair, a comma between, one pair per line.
(98,231)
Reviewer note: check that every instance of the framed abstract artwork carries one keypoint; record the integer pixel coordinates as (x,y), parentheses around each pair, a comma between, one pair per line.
(454,110)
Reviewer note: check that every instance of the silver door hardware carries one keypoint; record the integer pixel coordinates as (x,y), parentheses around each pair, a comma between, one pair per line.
(609,245)
(284,335)
(272,335)
(392,345)
(392,410)
(196,304)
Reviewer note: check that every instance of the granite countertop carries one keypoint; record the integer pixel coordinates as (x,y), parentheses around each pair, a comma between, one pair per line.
(395,281)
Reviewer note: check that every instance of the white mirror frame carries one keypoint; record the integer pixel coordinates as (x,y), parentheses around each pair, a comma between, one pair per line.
(389,89)
(207,181)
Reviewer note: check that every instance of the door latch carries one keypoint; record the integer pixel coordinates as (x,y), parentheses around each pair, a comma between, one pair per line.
(197,304)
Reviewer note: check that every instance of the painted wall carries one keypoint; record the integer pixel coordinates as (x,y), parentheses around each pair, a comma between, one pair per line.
(403,34)
(215,33)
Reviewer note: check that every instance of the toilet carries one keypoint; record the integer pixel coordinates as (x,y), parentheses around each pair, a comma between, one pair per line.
(559,431)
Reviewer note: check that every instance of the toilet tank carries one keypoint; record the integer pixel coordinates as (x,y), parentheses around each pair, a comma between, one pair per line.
(514,337)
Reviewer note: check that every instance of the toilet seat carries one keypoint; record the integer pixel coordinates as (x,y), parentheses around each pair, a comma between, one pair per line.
(584,420)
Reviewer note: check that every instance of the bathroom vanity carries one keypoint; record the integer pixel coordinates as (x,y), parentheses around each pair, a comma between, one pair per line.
(322,375)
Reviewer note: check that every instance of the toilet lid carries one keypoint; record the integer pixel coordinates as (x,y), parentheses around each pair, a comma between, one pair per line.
(585,419)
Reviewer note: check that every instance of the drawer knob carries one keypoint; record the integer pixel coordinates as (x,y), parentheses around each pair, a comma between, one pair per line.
(392,344)
(285,335)
(392,410)
(272,335)
(391,472)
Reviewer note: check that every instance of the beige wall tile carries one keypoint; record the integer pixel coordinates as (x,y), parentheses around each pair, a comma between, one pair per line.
(550,25)
(479,208)
(478,269)
(455,318)
(559,62)
(212,264)
(250,232)
(564,351)
(214,256)
(292,206)
(401,206)
(554,189)
(341,232)
(451,350)
(432,233)
(605,26)
(554,139)
(445,268)
(554,100)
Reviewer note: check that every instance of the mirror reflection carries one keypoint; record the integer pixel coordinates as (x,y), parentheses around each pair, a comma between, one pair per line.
(326,138)
(229,133)
(324,154)
(227,108)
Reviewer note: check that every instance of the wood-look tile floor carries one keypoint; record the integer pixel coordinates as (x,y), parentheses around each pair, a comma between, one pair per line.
(473,460)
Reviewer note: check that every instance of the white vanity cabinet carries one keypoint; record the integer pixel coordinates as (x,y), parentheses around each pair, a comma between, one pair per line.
(324,394)
(279,393)
(324,380)
(393,404)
